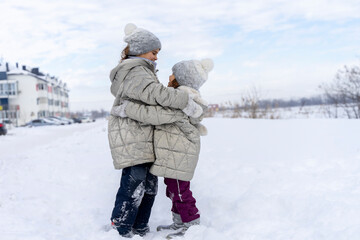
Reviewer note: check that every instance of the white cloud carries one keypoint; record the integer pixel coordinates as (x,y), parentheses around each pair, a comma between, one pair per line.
(80,41)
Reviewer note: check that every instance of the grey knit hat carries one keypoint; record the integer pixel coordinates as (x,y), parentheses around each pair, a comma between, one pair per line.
(140,40)
(192,73)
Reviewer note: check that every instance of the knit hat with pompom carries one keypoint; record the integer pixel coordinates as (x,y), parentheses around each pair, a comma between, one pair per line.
(140,41)
(192,73)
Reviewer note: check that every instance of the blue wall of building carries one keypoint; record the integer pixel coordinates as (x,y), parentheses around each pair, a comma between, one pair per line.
(4,102)
(3,75)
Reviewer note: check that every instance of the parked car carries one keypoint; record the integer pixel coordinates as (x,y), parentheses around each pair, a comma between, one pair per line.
(8,123)
(41,122)
(59,120)
(86,120)
(76,120)
(68,120)
(53,120)
(3,129)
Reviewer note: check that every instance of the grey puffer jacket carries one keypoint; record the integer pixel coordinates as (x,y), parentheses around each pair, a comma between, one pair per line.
(176,137)
(131,142)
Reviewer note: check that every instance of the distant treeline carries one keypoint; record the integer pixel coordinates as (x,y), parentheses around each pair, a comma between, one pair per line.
(93,114)
(277,103)
(281,103)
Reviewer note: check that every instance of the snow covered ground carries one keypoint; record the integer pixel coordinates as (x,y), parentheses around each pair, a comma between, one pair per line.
(256,179)
(305,112)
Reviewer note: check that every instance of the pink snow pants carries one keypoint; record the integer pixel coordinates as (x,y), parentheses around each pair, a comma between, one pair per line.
(183,202)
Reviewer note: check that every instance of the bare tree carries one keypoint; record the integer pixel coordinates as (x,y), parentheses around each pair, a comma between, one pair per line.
(344,91)
(251,102)
(236,110)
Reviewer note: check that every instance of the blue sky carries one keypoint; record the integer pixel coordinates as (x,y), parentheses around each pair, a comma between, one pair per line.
(283,48)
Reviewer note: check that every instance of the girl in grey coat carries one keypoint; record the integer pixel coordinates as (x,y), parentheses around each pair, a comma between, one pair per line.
(176,140)
(131,142)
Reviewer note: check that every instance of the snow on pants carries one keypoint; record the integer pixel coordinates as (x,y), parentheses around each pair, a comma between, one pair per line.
(183,202)
(134,199)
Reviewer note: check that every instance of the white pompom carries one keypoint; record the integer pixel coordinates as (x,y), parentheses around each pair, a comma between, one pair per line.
(207,64)
(129,29)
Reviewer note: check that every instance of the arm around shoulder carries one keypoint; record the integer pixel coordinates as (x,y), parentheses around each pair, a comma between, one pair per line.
(142,85)
(153,115)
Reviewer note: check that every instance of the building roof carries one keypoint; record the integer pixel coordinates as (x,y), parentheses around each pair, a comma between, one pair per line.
(34,72)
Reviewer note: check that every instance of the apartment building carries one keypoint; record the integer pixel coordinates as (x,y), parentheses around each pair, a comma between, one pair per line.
(27,94)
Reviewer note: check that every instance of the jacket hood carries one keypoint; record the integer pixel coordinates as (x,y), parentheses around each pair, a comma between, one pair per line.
(127,64)
(118,74)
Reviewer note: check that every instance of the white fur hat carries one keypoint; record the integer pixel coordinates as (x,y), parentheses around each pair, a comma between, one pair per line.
(192,73)
(140,41)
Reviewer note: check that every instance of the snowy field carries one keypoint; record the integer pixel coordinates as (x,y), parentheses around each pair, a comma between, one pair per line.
(305,112)
(256,179)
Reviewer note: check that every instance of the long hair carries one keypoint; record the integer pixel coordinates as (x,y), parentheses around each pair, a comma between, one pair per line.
(125,53)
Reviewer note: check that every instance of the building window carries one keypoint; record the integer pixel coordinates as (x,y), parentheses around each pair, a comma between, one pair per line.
(41,87)
(42,100)
(42,114)
(64,104)
(8,89)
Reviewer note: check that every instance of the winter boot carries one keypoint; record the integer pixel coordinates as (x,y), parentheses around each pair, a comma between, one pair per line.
(182,231)
(141,232)
(177,223)
(115,224)
(192,223)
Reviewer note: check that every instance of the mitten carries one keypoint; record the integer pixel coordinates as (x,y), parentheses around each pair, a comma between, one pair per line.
(119,110)
(202,129)
(193,109)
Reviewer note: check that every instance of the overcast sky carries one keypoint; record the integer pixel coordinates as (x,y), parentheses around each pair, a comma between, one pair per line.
(284,48)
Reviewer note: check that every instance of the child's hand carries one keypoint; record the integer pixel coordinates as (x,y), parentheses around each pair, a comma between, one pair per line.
(172,82)
(119,111)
